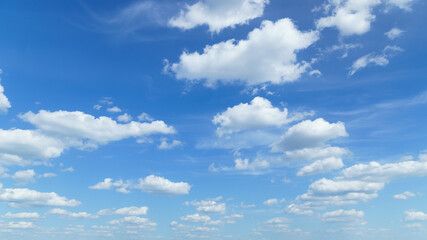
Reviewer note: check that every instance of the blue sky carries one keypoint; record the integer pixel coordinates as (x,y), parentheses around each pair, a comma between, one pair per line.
(213,119)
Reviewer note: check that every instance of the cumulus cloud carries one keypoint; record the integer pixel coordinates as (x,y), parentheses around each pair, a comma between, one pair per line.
(412,215)
(23,197)
(309,134)
(161,186)
(271,202)
(124,118)
(114,109)
(109,183)
(208,206)
(316,153)
(21,215)
(321,166)
(402,4)
(268,55)
(195,218)
(257,114)
(218,14)
(404,196)
(349,16)
(394,33)
(165,145)
(71,215)
(4,101)
(128,211)
(343,216)
(24,177)
(134,220)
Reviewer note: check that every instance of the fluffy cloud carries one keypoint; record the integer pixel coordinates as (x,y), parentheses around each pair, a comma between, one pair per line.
(259,113)
(415,216)
(394,33)
(21,215)
(71,215)
(114,109)
(4,101)
(404,196)
(208,206)
(309,134)
(321,166)
(349,16)
(271,202)
(343,216)
(402,4)
(23,197)
(196,218)
(124,118)
(134,220)
(109,183)
(97,130)
(24,177)
(20,146)
(267,55)
(127,211)
(316,153)
(161,186)
(165,145)
(219,14)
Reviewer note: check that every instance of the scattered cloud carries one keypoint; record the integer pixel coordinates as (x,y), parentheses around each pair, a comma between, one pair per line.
(127,211)
(373,59)
(404,196)
(162,186)
(394,33)
(321,166)
(124,118)
(114,109)
(71,215)
(268,55)
(165,145)
(412,215)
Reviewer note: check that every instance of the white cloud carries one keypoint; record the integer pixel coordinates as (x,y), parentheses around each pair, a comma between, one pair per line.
(20,225)
(109,183)
(128,211)
(271,202)
(268,55)
(343,216)
(144,117)
(208,206)
(244,164)
(114,109)
(321,166)
(97,107)
(394,33)
(404,196)
(298,209)
(402,4)
(415,216)
(349,16)
(219,14)
(24,177)
(259,113)
(20,146)
(164,145)
(21,215)
(196,218)
(23,197)
(96,130)
(134,220)
(4,101)
(124,118)
(374,59)
(161,186)
(309,134)
(316,153)
(71,215)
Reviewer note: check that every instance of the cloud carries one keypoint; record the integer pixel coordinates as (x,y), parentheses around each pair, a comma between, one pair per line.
(208,206)
(196,218)
(96,130)
(71,215)
(21,215)
(23,197)
(257,114)
(394,33)
(321,166)
(404,196)
(144,117)
(412,215)
(108,184)
(350,17)
(218,14)
(316,153)
(271,202)
(268,55)
(20,225)
(402,4)
(114,109)
(161,186)
(309,134)
(134,220)
(124,118)
(374,59)
(4,101)
(164,145)
(343,216)
(24,177)
(128,211)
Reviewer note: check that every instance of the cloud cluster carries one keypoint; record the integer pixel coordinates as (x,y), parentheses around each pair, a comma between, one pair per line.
(268,55)
(218,14)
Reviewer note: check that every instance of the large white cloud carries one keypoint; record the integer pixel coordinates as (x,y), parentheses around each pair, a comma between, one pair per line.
(309,134)
(257,114)
(219,14)
(23,197)
(349,16)
(162,186)
(268,55)
(97,130)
